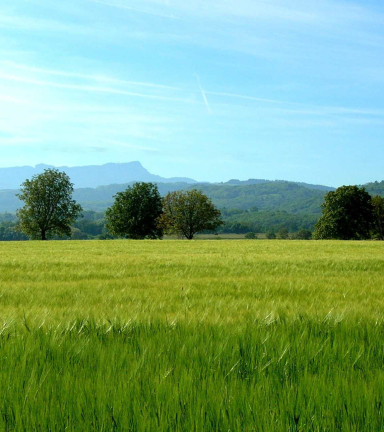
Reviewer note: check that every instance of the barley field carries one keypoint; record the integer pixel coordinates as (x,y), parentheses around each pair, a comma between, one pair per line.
(192,336)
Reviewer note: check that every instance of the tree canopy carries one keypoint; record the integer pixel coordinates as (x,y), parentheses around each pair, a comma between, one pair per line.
(48,205)
(187,213)
(135,212)
(347,215)
(303,234)
(378,217)
(283,234)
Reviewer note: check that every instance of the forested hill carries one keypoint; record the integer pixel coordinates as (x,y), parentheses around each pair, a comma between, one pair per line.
(235,182)
(261,195)
(278,195)
(281,196)
(375,188)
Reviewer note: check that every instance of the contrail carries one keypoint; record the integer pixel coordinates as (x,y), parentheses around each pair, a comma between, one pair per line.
(203,94)
(111,90)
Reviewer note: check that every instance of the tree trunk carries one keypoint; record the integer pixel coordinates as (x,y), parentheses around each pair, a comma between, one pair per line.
(43,235)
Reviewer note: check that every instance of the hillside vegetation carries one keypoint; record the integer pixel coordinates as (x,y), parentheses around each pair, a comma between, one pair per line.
(375,188)
(253,205)
(268,196)
(282,196)
(153,335)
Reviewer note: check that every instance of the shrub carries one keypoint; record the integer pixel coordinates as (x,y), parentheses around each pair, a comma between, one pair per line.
(251,235)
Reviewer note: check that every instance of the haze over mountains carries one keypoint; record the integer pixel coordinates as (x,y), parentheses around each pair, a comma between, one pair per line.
(93,176)
(88,176)
(95,187)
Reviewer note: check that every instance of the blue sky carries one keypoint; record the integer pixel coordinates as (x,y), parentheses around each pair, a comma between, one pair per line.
(209,89)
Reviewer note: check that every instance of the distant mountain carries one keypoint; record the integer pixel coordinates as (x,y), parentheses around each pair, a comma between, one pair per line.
(88,176)
(251,196)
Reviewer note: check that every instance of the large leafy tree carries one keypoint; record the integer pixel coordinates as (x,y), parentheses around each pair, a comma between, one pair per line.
(48,205)
(378,217)
(187,213)
(347,215)
(135,212)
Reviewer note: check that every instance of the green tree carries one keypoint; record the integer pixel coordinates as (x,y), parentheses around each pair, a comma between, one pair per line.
(187,213)
(78,235)
(8,232)
(270,235)
(378,217)
(347,215)
(135,212)
(303,234)
(283,234)
(48,205)
(251,235)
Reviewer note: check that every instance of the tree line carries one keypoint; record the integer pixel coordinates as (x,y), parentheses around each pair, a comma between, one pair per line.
(137,213)
(140,212)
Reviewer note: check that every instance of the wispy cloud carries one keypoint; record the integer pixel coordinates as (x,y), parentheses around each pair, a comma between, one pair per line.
(87,88)
(13,22)
(16,140)
(71,149)
(93,77)
(185,93)
(142,11)
(295,11)
(130,146)
(246,97)
(13,100)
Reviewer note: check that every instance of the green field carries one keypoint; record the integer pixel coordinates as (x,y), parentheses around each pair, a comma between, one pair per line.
(192,336)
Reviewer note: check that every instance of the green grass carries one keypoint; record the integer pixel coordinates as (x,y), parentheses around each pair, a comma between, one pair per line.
(192,336)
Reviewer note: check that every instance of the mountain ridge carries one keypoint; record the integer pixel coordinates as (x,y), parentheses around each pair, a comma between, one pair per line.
(93,176)
(88,175)
(265,195)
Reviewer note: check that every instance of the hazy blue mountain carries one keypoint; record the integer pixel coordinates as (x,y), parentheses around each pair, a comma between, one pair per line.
(88,176)
(251,195)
